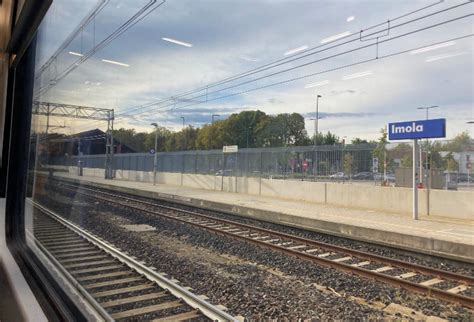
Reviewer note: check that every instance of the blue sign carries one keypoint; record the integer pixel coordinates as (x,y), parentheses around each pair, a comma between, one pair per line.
(152,151)
(422,129)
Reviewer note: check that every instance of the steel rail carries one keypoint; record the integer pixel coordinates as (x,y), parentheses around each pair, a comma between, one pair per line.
(357,253)
(399,282)
(189,298)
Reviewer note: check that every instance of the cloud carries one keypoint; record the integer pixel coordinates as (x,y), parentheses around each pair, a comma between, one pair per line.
(230,38)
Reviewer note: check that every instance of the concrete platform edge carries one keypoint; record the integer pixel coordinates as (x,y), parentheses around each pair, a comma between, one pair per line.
(428,246)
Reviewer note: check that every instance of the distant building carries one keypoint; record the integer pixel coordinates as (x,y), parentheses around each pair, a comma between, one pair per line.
(93,142)
(87,143)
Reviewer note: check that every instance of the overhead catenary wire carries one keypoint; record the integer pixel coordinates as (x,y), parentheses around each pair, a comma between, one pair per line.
(303,54)
(317,73)
(138,16)
(286,60)
(307,64)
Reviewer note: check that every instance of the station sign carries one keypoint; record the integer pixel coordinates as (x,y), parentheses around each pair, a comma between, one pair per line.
(421,129)
(230,148)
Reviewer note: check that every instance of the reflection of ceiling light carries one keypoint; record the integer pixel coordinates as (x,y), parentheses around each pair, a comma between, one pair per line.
(317,84)
(294,51)
(75,54)
(429,48)
(439,57)
(357,75)
(335,37)
(115,62)
(250,59)
(87,82)
(174,41)
(98,84)
(350,18)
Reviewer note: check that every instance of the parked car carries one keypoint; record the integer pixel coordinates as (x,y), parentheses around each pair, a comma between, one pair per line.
(338,176)
(365,175)
(225,173)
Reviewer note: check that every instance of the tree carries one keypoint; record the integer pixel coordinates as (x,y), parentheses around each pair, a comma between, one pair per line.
(359,141)
(326,139)
(459,143)
(163,135)
(381,149)
(407,161)
(347,165)
(450,163)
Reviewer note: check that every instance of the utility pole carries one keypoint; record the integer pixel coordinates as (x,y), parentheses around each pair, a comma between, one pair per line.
(213,116)
(155,156)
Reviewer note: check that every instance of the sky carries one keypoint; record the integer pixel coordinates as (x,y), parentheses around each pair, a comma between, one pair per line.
(373,62)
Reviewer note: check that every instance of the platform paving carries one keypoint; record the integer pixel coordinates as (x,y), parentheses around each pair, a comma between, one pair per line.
(446,237)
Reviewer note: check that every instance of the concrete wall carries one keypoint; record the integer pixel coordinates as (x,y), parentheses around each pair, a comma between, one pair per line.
(454,204)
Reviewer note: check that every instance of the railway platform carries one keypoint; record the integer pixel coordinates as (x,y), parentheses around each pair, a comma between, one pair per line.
(440,236)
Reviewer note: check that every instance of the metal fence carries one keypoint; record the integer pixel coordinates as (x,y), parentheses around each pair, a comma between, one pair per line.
(305,162)
(357,162)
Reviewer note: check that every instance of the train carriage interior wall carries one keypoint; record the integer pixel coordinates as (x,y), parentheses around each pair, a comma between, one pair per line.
(251,160)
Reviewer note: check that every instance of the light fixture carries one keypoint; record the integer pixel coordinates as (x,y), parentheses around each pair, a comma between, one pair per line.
(115,62)
(295,50)
(75,54)
(439,57)
(430,48)
(357,75)
(335,37)
(350,18)
(317,84)
(177,42)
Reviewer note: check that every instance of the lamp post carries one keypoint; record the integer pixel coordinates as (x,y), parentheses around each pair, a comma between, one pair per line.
(213,116)
(316,119)
(155,156)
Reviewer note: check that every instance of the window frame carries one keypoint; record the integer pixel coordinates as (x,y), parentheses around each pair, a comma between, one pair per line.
(51,296)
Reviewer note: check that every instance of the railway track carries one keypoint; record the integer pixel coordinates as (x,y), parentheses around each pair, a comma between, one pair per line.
(115,285)
(433,282)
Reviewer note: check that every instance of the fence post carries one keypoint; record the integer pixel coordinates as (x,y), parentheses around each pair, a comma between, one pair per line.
(182,168)
(260,181)
(223,171)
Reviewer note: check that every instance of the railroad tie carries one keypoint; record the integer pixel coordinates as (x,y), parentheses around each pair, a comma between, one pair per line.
(179,317)
(458,289)
(361,264)
(407,275)
(431,282)
(343,259)
(383,269)
(146,309)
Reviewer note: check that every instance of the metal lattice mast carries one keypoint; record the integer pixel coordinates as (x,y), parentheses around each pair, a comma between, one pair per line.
(109,147)
(83,112)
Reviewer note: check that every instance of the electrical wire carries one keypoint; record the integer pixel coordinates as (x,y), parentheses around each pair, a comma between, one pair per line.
(304,54)
(286,60)
(318,73)
(307,64)
(105,42)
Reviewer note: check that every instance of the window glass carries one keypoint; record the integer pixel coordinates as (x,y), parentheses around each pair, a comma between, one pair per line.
(221,100)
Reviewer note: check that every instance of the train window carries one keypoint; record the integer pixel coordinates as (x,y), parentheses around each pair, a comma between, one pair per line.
(264,156)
